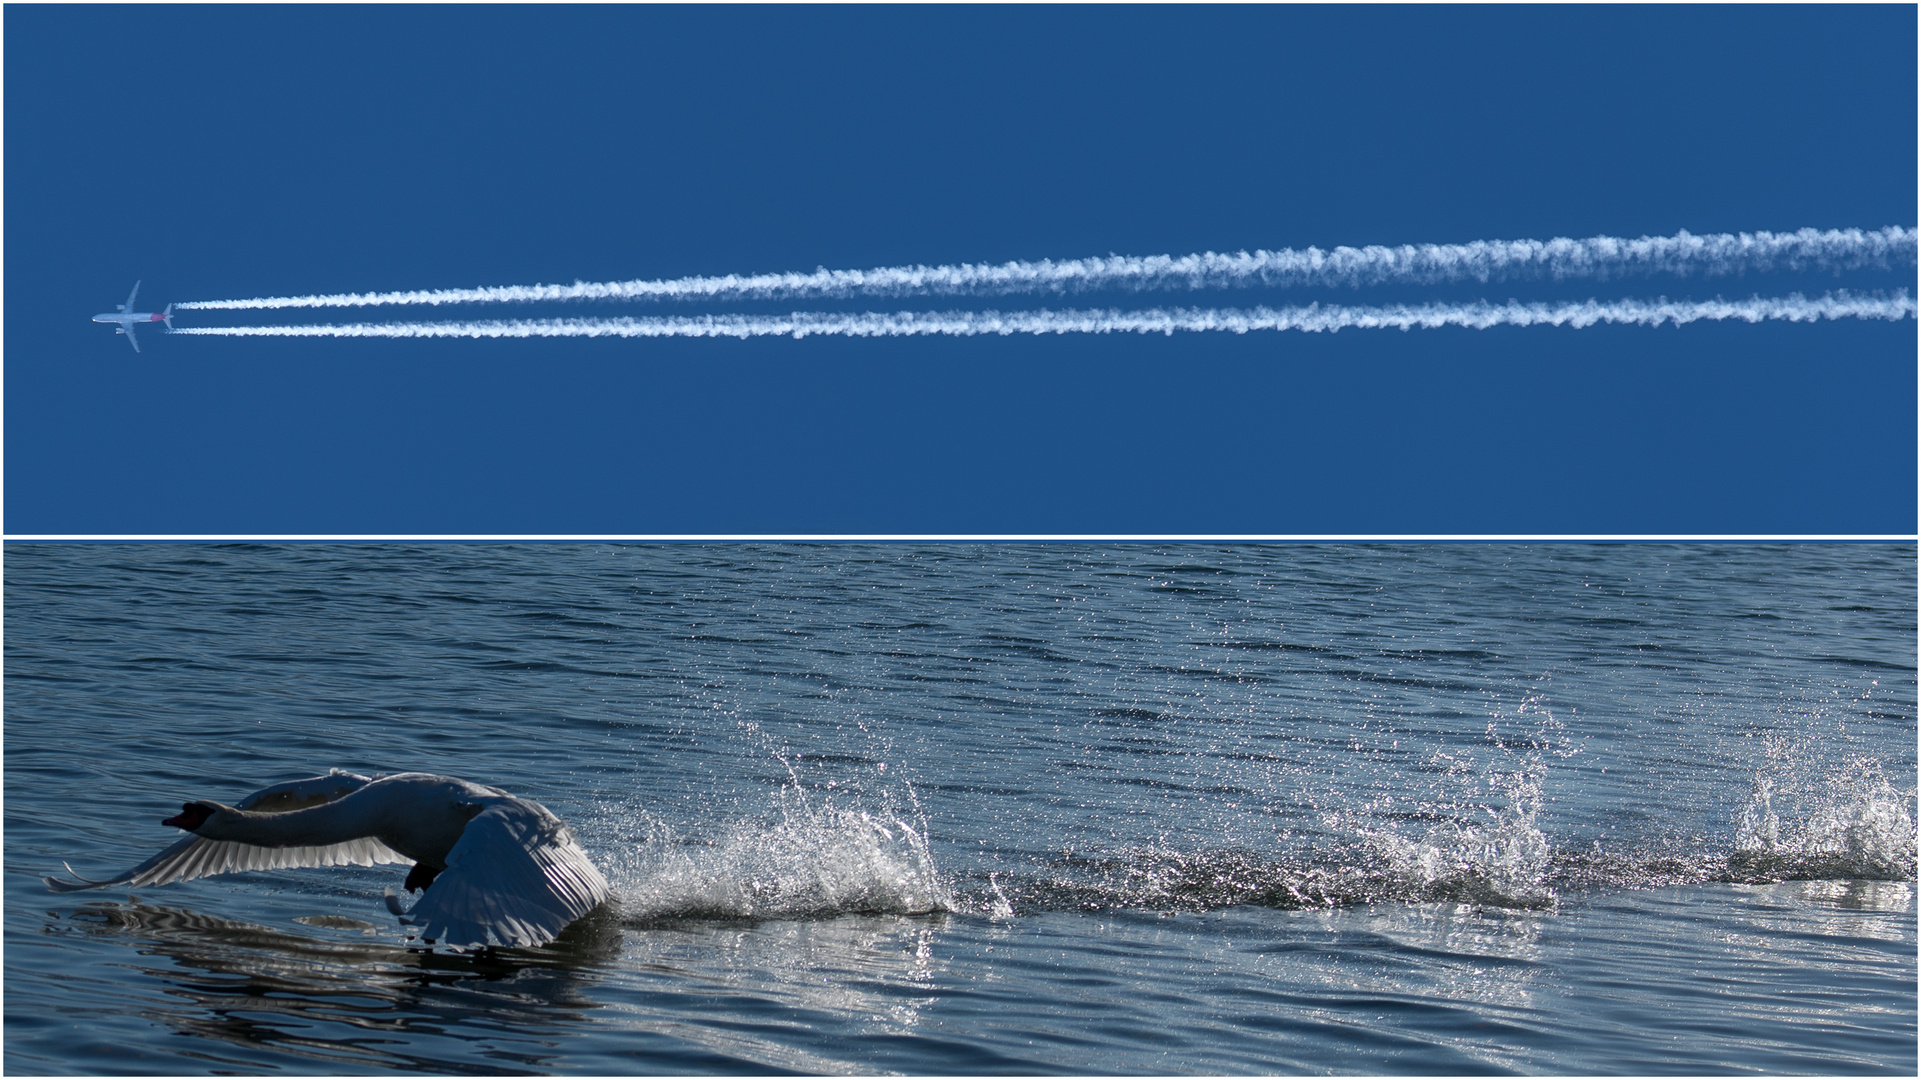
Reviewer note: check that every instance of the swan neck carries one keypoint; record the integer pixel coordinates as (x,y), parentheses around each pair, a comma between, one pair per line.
(330,823)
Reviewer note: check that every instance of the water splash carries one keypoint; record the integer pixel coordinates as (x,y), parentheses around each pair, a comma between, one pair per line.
(1495,870)
(812,861)
(1855,823)
(1502,862)
(1482,846)
(1487,846)
(999,907)
(1473,837)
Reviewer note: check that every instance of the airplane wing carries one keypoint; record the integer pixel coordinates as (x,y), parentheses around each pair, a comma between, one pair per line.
(128,306)
(131,340)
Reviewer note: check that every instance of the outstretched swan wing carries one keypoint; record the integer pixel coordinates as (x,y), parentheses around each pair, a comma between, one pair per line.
(517,877)
(194,856)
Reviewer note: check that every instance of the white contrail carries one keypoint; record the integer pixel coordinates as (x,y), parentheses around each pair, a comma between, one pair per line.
(1313,317)
(1597,257)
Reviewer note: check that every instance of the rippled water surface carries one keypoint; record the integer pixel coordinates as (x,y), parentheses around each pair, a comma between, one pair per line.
(989,808)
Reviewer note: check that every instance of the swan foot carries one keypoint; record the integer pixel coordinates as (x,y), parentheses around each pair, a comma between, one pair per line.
(393,905)
(420,877)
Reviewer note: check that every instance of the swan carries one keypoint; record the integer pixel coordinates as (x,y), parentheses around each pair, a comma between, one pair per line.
(496,869)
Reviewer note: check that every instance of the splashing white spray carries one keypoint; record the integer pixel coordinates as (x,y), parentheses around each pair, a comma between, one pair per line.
(1504,861)
(1855,823)
(815,861)
(1597,257)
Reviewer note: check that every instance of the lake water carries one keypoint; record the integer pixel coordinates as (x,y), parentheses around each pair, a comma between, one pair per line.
(1057,808)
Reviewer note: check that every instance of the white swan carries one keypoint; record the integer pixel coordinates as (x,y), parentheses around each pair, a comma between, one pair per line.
(497,869)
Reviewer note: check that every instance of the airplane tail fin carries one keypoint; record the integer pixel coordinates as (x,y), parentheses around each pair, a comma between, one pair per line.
(167,317)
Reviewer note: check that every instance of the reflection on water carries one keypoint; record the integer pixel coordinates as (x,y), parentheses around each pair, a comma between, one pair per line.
(1896,897)
(783,992)
(1471,953)
(1689,980)
(854,965)
(1832,909)
(348,999)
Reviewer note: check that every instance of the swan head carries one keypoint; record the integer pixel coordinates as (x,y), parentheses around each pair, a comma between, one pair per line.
(192,815)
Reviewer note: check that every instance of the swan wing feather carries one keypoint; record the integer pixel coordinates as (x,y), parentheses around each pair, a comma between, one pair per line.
(196,857)
(517,877)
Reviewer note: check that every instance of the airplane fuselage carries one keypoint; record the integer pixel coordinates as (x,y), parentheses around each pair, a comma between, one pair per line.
(127,318)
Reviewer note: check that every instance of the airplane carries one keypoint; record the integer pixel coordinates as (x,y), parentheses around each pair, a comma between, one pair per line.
(127,316)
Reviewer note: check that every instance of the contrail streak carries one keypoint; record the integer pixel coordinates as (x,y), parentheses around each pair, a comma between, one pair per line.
(1598,257)
(1312,318)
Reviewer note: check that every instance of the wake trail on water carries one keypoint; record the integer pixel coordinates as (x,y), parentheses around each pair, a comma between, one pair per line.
(1312,318)
(1594,258)
(815,858)
(1860,828)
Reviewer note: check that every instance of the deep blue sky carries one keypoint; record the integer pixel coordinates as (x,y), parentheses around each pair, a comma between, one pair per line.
(233,151)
